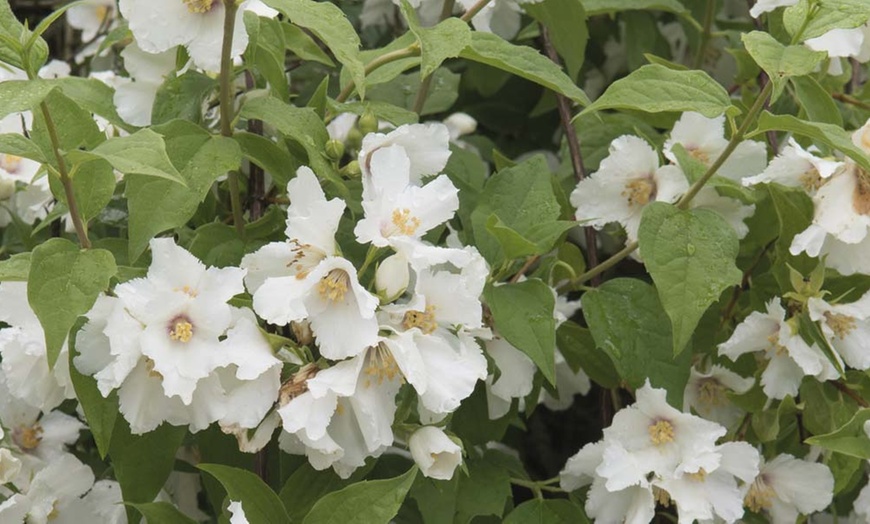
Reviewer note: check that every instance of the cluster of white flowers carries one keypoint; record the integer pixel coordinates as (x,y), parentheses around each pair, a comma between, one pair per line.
(654,454)
(632,176)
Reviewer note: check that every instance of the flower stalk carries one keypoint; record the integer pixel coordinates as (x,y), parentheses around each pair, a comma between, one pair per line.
(226,108)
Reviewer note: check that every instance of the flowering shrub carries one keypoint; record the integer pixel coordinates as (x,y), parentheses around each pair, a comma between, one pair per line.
(434,261)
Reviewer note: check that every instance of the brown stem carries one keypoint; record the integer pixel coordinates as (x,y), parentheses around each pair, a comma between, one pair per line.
(849,393)
(392,56)
(564,107)
(529,263)
(851,100)
(476,8)
(744,283)
(256,177)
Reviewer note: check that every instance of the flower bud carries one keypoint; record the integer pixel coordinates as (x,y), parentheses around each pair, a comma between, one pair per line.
(368,123)
(392,278)
(9,466)
(334,150)
(435,453)
(351,170)
(7,189)
(459,124)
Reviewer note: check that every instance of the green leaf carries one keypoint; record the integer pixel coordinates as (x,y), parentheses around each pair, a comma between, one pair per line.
(100,412)
(15,268)
(523,315)
(305,487)
(655,88)
(547,511)
(217,245)
(303,126)
(794,210)
(73,127)
(628,322)
(303,46)
(850,439)
(62,284)
(578,347)
(19,145)
(830,14)
(767,424)
(691,257)
(156,204)
(162,513)
(600,7)
(12,31)
(93,96)
(142,153)
(366,502)
(815,101)
(522,61)
(445,40)
(779,61)
(182,97)
(828,134)
(260,503)
(522,199)
(269,156)
(486,488)
(332,27)
(398,95)
(93,187)
(142,463)
(566,22)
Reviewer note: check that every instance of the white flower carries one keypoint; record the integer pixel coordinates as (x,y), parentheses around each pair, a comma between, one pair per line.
(106,502)
(862,504)
(626,181)
(91,16)
(160,25)
(344,413)
(460,124)
(704,140)
(650,436)
(706,394)
(846,327)
(10,466)
(789,357)
(763,6)
(632,505)
(394,201)
(699,496)
(732,210)
(304,279)
(501,17)
(424,145)
(568,382)
(787,487)
(40,436)
(796,167)
(843,43)
(435,453)
(24,360)
(516,379)
(177,350)
(135,100)
(30,200)
(54,495)
(238,513)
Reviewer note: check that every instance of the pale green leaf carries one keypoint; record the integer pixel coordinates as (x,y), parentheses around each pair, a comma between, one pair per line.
(62,284)
(445,40)
(142,153)
(566,22)
(260,503)
(547,511)
(366,502)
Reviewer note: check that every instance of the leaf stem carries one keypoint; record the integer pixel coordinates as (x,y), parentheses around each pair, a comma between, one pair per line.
(564,107)
(537,486)
(423,92)
(226,108)
(686,199)
(473,10)
(848,99)
(384,59)
(65,180)
(709,14)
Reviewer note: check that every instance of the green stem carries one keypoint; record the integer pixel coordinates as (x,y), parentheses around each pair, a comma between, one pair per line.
(226,108)
(386,58)
(65,179)
(423,92)
(537,486)
(709,14)
(371,255)
(684,202)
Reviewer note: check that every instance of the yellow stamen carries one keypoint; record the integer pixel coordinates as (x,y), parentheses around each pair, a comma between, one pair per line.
(334,285)
(661,432)
(759,497)
(102,12)
(698,476)
(199,6)
(28,437)
(10,163)
(699,155)
(711,392)
(773,338)
(639,192)
(811,180)
(187,290)
(182,332)
(861,196)
(425,320)
(380,365)
(405,222)
(840,324)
